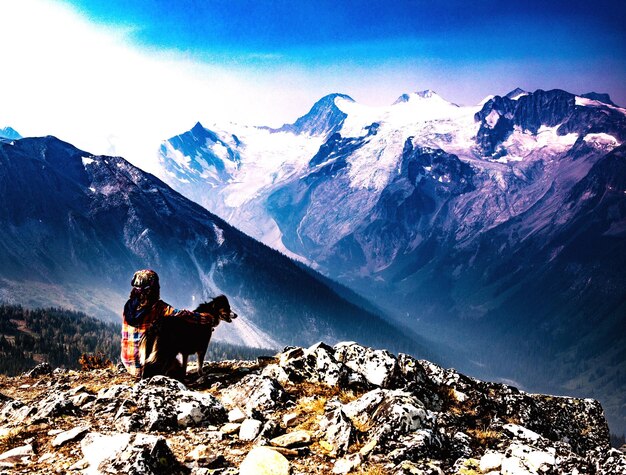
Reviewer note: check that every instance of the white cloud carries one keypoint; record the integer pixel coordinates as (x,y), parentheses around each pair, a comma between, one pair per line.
(87,84)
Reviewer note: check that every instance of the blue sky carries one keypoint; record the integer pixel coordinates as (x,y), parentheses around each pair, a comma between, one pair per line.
(579,45)
(119,76)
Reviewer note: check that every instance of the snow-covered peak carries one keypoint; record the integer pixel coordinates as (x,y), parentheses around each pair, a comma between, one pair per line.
(486,99)
(9,133)
(324,118)
(516,93)
(421,96)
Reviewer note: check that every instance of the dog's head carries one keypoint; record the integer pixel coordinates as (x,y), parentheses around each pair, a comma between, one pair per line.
(219,307)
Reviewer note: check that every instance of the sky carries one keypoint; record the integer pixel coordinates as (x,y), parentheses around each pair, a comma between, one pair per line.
(119,76)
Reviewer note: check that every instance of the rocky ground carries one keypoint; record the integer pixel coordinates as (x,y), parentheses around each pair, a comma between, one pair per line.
(317,410)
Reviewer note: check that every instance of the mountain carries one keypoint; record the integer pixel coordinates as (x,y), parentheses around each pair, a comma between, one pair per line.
(74,227)
(8,133)
(497,227)
(324,118)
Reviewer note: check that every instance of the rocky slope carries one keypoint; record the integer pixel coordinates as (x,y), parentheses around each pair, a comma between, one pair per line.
(316,410)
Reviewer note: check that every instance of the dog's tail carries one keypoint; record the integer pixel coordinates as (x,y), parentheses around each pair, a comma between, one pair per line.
(147,348)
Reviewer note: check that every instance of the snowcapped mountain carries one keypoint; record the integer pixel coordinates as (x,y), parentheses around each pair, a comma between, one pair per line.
(90,221)
(9,133)
(500,225)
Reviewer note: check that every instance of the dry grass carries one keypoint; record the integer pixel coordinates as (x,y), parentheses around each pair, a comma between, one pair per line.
(372,469)
(484,437)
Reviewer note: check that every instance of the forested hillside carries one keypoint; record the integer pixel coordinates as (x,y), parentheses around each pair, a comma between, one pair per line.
(55,335)
(60,337)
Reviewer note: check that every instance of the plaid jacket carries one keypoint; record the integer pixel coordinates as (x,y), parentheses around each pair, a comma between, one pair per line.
(135,322)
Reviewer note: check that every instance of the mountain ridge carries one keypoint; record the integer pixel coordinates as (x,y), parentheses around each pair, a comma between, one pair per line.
(92,220)
(442,214)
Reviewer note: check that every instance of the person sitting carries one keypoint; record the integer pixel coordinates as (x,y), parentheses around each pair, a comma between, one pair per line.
(142,310)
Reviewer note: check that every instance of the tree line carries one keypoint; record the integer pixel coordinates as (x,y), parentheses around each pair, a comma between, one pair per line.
(55,335)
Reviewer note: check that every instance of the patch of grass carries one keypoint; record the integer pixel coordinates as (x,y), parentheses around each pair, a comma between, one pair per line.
(470,467)
(372,469)
(484,437)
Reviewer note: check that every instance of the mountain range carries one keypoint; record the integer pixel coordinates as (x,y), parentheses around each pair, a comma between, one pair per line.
(74,227)
(499,228)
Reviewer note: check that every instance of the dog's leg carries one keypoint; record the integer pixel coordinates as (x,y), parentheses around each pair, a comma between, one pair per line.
(184,364)
(200,355)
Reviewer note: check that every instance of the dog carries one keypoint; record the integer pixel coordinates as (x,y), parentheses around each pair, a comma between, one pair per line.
(169,337)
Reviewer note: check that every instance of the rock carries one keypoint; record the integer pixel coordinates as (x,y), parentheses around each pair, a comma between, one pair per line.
(421,444)
(378,367)
(236,415)
(16,412)
(17,456)
(81,399)
(250,429)
(98,447)
(136,455)
(336,429)
(162,404)
(347,464)
(368,447)
(69,435)
(536,461)
(389,413)
(289,419)
(55,405)
(264,461)
(316,364)
(46,457)
(491,461)
(230,428)
(39,370)
(206,457)
(254,393)
(613,462)
(426,420)
(292,439)
(423,467)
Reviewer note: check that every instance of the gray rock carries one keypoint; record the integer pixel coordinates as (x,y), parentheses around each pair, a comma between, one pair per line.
(316,364)
(378,367)
(162,404)
(337,430)
(39,370)
(347,464)
(236,415)
(69,435)
(254,393)
(55,405)
(17,456)
(388,414)
(250,429)
(292,439)
(137,455)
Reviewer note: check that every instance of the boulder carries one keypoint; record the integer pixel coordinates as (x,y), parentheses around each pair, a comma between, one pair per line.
(140,454)
(378,367)
(69,435)
(253,394)
(337,431)
(250,429)
(264,461)
(39,370)
(17,456)
(316,364)
(292,439)
(161,403)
